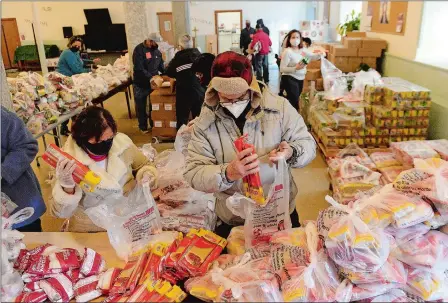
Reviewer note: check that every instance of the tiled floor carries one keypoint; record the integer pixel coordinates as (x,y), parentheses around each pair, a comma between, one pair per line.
(312,180)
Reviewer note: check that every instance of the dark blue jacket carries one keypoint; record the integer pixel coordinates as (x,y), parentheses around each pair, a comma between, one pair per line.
(147,62)
(19,182)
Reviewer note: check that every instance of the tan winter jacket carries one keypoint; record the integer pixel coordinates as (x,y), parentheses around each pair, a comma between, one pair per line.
(211,147)
(124,162)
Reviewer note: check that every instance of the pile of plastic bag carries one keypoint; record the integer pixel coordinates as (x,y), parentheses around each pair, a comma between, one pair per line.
(123,64)
(89,87)
(113,76)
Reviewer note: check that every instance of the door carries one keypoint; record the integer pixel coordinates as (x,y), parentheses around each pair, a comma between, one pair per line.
(166,27)
(10,41)
(228,25)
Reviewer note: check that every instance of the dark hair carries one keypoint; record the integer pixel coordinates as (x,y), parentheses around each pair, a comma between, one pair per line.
(91,123)
(288,38)
(307,40)
(258,26)
(73,39)
(230,64)
(203,64)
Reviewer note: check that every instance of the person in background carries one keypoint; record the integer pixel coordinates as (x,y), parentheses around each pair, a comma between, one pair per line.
(70,63)
(234,105)
(292,68)
(19,148)
(261,58)
(246,36)
(113,156)
(148,62)
(202,67)
(306,42)
(189,92)
(265,29)
(282,50)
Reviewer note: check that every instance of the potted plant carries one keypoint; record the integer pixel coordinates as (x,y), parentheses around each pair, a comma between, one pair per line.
(349,25)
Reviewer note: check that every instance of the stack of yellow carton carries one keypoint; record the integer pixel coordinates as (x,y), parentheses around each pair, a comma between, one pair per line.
(397,111)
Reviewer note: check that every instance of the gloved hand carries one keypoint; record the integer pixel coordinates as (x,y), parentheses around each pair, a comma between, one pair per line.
(245,164)
(284,150)
(64,171)
(150,179)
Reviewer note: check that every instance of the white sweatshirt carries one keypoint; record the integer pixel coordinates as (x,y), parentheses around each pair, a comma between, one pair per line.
(291,57)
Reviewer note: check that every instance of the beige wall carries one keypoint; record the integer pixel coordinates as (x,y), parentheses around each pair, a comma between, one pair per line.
(402,46)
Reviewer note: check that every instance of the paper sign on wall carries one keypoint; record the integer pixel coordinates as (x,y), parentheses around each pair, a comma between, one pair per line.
(313,29)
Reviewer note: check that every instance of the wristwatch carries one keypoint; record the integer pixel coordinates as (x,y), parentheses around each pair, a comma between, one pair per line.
(294,157)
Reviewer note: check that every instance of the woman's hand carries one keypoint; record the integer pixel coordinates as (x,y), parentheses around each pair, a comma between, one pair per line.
(64,174)
(283,151)
(300,65)
(96,60)
(245,164)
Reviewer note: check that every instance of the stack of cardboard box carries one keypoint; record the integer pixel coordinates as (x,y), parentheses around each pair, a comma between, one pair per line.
(397,111)
(163,110)
(313,74)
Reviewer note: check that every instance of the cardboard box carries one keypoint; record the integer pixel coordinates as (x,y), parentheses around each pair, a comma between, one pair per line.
(158,96)
(341,63)
(354,62)
(356,34)
(166,90)
(313,74)
(158,124)
(339,60)
(320,84)
(352,42)
(314,64)
(163,115)
(171,123)
(370,61)
(341,51)
(369,52)
(374,43)
(164,132)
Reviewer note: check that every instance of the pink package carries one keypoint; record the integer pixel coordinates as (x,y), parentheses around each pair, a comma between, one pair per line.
(428,285)
(407,151)
(31,286)
(58,288)
(93,263)
(440,146)
(403,235)
(390,173)
(64,260)
(86,289)
(107,279)
(37,296)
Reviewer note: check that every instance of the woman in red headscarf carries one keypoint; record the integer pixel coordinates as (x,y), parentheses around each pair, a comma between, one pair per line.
(234,105)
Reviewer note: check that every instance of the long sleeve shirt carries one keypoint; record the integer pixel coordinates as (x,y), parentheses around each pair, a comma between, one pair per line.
(290,58)
(70,63)
(147,62)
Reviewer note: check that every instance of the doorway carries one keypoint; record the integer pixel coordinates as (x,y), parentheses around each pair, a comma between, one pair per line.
(228,24)
(166,27)
(10,41)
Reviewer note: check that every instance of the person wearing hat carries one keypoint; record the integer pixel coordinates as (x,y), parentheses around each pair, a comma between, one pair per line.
(233,106)
(148,62)
(189,92)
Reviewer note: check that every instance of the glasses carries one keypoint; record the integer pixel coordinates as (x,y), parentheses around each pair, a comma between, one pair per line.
(235,102)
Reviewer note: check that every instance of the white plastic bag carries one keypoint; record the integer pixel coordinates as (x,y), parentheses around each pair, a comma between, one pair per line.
(329,73)
(170,165)
(263,221)
(11,287)
(149,151)
(362,78)
(129,221)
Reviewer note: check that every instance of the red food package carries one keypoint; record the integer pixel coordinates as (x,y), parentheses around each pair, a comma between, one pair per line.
(23,260)
(93,263)
(137,272)
(202,251)
(58,288)
(113,298)
(86,289)
(152,269)
(74,274)
(31,286)
(43,250)
(122,280)
(32,297)
(107,279)
(141,294)
(41,266)
(252,183)
(64,260)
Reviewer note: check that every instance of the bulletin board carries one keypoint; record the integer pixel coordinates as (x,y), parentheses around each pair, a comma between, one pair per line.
(388,16)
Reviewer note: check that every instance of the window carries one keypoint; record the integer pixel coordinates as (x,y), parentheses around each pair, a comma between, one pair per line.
(433,45)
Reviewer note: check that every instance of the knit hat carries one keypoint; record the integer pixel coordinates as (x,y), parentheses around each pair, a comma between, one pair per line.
(231,73)
(155,37)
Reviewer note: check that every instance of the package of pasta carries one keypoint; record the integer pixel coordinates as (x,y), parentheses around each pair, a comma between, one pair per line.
(384,159)
(352,244)
(235,241)
(261,222)
(355,153)
(106,279)
(428,252)
(391,272)
(407,151)
(152,268)
(430,285)
(317,281)
(251,183)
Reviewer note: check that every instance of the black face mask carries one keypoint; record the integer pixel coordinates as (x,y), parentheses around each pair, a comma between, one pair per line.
(247,25)
(100,149)
(74,49)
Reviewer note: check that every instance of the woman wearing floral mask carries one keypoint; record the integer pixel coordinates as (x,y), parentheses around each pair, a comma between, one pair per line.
(234,105)
(293,67)
(113,156)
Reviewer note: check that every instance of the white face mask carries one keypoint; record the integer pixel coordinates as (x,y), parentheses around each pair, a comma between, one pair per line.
(295,42)
(236,108)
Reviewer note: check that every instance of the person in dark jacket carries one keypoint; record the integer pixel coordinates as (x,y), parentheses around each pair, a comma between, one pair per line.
(246,36)
(19,148)
(189,92)
(202,67)
(265,29)
(148,62)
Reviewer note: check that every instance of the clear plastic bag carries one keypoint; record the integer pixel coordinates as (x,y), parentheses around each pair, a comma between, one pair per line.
(406,152)
(403,235)
(430,285)
(130,221)
(149,151)
(235,241)
(11,287)
(7,206)
(362,78)
(352,244)
(329,73)
(261,222)
(170,165)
